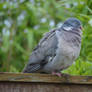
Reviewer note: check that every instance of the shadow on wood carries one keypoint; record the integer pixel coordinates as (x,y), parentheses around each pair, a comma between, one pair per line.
(10,82)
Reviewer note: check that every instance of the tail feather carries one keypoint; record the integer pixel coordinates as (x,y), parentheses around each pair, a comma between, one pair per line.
(32,68)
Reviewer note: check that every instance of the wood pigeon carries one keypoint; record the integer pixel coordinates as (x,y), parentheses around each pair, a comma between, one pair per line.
(57,50)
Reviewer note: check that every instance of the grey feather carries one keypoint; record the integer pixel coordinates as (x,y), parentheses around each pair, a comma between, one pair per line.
(32,68)
(66,53)
(57,50)
(43,53)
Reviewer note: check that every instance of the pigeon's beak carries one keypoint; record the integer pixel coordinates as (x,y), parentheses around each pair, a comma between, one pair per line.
(81,27)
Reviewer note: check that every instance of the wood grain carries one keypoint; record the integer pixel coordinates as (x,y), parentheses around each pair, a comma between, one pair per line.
(43,87)
(19,82)
(44,78)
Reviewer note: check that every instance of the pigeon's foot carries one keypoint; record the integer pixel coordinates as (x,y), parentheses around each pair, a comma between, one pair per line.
(57,73)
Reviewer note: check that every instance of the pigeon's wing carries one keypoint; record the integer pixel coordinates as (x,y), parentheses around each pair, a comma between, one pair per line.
(43,53)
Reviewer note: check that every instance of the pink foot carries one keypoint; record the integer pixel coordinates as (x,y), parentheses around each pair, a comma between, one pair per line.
(58,74)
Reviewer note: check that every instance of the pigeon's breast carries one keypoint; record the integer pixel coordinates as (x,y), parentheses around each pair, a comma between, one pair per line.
(66,54)
(67,51)
(68,45)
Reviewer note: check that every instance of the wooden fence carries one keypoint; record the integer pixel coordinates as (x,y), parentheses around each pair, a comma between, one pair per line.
(11,82)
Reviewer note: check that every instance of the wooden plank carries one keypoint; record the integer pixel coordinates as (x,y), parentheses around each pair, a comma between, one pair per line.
(45,78)
(43,87)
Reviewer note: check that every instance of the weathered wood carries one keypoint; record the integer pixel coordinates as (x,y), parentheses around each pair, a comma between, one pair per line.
(44,78)
(43,87)
(10,82)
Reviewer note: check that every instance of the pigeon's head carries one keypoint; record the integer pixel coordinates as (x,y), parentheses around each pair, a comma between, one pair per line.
(72,23)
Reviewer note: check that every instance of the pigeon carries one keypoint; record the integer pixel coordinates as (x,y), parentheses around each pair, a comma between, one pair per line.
(57,50)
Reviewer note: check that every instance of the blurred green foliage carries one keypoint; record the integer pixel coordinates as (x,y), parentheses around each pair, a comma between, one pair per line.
(23,22)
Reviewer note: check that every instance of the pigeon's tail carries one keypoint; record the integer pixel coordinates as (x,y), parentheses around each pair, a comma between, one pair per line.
(32,68)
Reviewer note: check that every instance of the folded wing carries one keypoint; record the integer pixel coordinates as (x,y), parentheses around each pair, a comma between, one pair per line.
(44,52)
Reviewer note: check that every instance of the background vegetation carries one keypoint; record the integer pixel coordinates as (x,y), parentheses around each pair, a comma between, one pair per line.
(23,22)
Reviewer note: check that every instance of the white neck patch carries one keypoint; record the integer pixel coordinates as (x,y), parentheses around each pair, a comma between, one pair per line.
(67,28)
